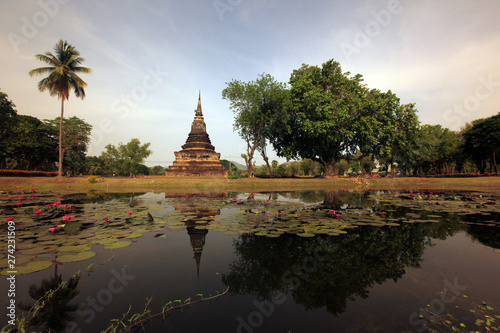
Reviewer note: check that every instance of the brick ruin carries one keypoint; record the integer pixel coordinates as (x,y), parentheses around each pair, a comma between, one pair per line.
(198,156)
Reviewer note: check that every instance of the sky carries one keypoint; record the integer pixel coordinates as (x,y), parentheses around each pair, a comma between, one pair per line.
(150,59)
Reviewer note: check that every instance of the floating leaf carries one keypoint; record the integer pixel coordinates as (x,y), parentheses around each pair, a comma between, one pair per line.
(31,267)
(40,250)
(76,257)
(75,248)
(117,245)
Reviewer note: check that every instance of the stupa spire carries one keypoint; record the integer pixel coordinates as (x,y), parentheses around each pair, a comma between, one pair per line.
(198,109)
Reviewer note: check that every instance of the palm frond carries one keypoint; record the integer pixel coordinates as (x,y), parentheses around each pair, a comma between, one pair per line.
(40,71)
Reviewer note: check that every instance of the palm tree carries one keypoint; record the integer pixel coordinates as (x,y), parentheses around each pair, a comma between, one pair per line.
(62,78)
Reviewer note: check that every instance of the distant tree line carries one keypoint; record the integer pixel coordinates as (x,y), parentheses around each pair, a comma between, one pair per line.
(28,143)
(330,117)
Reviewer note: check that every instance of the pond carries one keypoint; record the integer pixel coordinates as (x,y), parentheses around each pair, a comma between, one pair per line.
(316,261)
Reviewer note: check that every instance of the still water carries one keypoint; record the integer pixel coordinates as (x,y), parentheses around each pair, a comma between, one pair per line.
(263,262)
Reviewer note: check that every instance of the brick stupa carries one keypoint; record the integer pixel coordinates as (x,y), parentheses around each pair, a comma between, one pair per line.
(198,156)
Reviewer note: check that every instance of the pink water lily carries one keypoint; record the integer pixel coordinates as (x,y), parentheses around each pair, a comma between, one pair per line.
(9,218)
(130,213)
(53,229)
(67,218)
(105,220)
(37,212)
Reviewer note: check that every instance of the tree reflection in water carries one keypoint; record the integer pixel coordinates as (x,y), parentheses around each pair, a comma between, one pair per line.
(52,311)
(328,271)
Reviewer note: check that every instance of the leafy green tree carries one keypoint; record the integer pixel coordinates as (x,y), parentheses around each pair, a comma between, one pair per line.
(8,114)
(326,121)
(126,158)
(256,105)
(395,129)
(141,169)
(234,169)
(29,145)
(366,164)
(63,69)
(482,142)
(95,165)
(436,150)
(112,162)
(157,170)
(76,134)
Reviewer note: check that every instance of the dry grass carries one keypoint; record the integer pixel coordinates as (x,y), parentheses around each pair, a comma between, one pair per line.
(213,184)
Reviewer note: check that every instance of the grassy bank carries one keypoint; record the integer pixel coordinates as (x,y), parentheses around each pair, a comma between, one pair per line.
(212,184)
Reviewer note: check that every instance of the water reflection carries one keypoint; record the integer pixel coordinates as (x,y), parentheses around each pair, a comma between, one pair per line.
(195,226)
(319,272)
(329,271)
(51,311)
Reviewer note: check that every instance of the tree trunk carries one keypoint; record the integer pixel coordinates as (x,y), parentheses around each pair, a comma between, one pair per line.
(495,163)
(59,166)
(331,169)
(392,165)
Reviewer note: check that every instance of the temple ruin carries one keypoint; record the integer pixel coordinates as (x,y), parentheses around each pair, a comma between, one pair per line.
(198,156)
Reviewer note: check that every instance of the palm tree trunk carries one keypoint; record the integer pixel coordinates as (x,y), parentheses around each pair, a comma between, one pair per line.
(59,166)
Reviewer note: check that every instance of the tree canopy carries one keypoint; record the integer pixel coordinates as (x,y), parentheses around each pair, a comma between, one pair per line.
(257,105)
(126,158)
(482,142)
(333,116)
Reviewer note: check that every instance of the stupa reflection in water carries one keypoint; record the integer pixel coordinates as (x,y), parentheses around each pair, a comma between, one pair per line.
(204,215)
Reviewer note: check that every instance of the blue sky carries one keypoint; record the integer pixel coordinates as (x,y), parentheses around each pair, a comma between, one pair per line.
(150,59)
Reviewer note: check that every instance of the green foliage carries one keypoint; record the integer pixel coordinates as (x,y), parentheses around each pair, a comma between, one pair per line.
(257,105)
(435,150)
(141,169)
(126,159)
(396,127)
(324,121)
(76,134)
(482,142)
(234,169)
(29,145)
(157,170)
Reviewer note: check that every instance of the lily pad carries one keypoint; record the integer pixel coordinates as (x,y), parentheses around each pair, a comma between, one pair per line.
(31,267)
(75,248)
(76,257)
(39,250)
(117,245)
